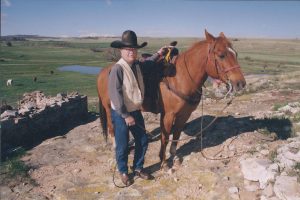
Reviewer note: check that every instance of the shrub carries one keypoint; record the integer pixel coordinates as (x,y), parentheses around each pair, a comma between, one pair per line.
(112,55)
(9,44)
(13,166)
(248,58)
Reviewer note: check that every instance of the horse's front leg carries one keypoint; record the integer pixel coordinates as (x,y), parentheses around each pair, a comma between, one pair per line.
(178,127)
(176,158)
(166,123)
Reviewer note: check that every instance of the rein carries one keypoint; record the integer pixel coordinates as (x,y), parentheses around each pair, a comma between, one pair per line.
(192,99)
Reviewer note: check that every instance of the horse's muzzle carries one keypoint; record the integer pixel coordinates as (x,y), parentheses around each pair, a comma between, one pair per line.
(238,85)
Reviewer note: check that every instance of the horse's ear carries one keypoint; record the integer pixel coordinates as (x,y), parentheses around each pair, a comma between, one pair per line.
(222,35)
(209,37)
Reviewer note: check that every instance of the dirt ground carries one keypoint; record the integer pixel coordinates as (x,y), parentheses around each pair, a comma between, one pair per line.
(80,165)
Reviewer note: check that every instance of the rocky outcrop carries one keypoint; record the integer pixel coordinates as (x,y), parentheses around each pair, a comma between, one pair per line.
(278,179)
(39,116)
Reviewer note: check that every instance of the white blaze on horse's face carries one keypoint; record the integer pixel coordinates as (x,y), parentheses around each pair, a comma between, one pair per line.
(232,51)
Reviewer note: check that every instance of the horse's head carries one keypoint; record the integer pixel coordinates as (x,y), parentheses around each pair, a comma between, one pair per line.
(222,62)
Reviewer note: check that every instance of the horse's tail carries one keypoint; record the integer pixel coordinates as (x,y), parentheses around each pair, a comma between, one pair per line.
(103,119)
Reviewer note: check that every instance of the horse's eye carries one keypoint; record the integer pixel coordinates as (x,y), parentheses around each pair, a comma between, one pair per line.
(222,56)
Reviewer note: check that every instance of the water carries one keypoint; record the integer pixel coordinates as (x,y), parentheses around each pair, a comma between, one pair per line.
(81,69)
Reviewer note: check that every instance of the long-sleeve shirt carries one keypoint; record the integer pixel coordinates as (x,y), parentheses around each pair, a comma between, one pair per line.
(116,82)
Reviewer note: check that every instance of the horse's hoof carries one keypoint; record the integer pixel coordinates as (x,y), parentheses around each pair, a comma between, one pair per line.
(164,167)
(177,161)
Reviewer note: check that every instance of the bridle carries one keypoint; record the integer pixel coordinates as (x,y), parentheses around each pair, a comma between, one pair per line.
(220,71)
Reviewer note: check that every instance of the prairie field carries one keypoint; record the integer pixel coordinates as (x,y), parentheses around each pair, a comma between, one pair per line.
(24,60)
(79,163)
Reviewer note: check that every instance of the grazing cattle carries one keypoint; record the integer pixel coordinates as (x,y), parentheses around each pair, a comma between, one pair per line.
(34,78)
(180,94)
(9,82)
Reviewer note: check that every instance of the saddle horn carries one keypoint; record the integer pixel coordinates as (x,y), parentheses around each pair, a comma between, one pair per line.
(174,43)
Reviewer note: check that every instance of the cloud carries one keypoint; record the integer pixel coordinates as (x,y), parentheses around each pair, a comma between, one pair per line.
(5,3)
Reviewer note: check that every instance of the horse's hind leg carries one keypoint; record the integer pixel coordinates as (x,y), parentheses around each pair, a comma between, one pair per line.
(166,123)
(110,128)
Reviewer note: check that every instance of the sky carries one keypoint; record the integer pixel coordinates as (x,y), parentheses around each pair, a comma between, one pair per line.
(152,18)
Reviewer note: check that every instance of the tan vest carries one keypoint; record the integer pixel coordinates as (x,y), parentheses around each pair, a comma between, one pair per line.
(132,93)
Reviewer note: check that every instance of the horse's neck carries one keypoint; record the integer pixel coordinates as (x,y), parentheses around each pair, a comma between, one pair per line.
(190,67)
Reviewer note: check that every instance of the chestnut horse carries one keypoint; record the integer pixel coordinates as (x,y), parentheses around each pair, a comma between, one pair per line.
(180,94)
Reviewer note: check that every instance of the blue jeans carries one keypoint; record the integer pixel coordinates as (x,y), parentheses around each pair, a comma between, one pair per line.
(122,137)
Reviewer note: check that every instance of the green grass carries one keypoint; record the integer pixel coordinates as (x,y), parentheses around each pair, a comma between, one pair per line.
(280,56)
(295,171)
(13,170)
(12,165)
(264,131)
(296,117)
(26,59)
(276,106)
(273,155)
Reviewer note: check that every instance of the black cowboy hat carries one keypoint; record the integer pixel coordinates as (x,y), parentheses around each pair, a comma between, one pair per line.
(129,39)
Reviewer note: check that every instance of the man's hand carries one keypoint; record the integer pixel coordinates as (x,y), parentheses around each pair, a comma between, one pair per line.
(163,51)
(130,121)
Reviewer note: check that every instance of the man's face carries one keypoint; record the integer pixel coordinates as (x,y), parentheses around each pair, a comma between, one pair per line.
(129,54)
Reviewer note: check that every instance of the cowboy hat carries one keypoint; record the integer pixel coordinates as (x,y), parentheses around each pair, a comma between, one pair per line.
(129,39)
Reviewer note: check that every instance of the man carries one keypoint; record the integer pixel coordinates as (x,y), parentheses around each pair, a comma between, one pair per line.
(126,91)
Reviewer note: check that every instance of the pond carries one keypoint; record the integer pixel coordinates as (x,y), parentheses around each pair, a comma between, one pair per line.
(81,69)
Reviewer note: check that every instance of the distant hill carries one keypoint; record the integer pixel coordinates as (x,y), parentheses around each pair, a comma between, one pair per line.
(38,37)
(24,37)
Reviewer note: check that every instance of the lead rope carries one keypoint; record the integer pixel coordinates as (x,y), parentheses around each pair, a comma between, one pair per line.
(201,141)
(113,177)
(203,129)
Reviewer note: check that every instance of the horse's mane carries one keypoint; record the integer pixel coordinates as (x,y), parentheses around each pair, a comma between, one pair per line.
(199,43)
(194,45)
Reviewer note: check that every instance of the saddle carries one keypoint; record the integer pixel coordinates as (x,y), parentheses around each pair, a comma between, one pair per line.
(164,67)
